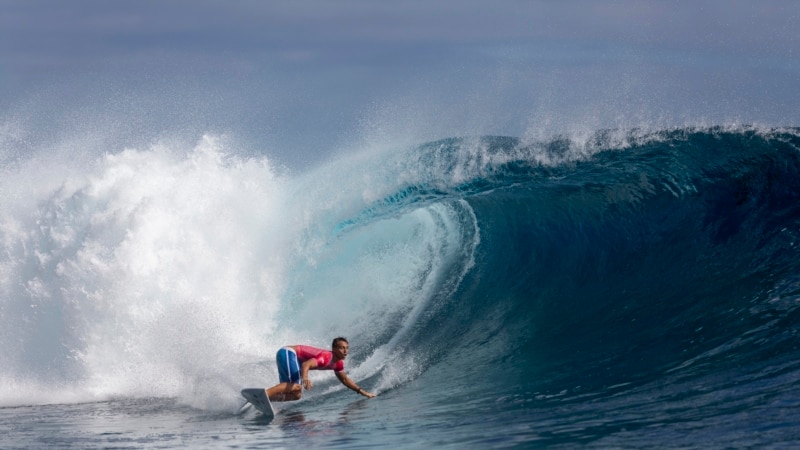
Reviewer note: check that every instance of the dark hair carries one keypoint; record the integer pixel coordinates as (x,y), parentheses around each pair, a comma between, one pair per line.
(333,344)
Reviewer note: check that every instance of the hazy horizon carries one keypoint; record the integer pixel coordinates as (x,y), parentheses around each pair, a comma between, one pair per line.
(300,80)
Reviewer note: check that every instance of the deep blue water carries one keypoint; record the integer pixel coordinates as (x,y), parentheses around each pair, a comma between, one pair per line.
(626,289)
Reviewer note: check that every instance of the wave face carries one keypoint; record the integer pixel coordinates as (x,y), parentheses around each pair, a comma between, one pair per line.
(634,281)
(618,281)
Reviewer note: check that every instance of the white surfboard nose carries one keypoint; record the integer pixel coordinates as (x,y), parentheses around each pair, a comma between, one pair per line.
(258,398)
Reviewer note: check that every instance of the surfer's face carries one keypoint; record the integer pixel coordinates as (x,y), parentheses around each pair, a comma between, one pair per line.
(340,350)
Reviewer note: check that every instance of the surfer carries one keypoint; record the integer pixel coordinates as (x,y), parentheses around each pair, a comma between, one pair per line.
(294,362)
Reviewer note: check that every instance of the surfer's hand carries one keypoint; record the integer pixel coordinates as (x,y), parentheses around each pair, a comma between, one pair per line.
(366,394)
(307,383)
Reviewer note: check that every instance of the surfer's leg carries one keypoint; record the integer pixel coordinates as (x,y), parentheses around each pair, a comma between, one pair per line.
(293,392)
(285,392)
(289,377)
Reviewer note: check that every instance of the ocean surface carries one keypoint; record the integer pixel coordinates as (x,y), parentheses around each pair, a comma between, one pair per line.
(615,289)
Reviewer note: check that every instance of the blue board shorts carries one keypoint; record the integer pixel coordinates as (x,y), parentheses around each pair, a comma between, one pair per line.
(288,367)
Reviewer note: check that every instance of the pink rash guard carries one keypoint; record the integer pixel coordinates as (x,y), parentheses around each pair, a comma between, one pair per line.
(323,358)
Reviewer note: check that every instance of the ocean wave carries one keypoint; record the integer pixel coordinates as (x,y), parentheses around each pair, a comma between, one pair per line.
(578,267)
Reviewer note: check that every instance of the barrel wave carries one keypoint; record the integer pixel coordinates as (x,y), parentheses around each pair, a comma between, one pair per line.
(625,282)
(581,288)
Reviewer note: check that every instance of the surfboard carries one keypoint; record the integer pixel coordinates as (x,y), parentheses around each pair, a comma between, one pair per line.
(258,398)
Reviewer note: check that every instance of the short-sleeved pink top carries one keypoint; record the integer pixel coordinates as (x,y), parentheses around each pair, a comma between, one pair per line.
(323,357)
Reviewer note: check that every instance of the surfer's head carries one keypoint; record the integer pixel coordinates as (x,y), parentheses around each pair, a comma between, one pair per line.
(340,347)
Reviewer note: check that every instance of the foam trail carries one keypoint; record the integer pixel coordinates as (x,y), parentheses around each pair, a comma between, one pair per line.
(139,273)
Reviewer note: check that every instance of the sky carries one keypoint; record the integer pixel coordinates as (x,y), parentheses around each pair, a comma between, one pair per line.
(304,79)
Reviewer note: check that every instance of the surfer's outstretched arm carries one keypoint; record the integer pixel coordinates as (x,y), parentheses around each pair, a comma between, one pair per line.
(349,383)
